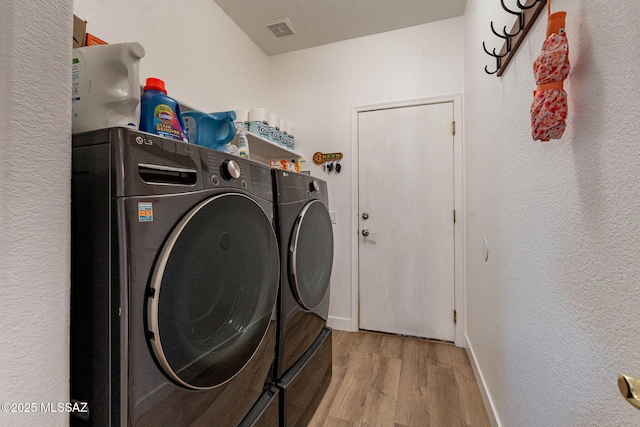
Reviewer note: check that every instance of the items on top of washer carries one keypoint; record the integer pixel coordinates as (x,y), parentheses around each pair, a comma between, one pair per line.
(243,144)
(286,165)
(230,148)
(160,114)
(210,130)
(105,86)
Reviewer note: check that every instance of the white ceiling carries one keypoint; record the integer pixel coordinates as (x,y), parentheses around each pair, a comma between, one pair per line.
(320,22)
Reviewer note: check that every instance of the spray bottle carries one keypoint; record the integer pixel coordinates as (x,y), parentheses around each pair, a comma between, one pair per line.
(243,144)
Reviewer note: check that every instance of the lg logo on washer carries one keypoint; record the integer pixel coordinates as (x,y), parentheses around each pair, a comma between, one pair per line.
(140,140)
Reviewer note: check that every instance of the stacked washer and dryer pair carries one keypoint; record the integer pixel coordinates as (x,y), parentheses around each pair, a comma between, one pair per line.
(176,314)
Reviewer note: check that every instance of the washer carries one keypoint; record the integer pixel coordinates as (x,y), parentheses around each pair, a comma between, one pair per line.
(304,348)
(175,274)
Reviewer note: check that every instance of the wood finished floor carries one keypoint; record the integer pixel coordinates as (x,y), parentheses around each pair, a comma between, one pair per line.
(385,380)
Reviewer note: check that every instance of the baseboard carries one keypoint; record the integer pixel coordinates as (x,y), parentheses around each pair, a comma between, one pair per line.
(486,396)
(339,323)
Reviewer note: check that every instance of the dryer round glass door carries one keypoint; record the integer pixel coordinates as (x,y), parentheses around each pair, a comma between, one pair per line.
(311,255)
(213,291)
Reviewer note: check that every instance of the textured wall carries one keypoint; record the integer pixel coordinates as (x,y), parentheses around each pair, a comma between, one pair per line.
(35,135)
(206,61)
(317,88)
(552,317)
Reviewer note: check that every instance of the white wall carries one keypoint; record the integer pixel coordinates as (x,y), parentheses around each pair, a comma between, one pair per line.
(35,130)
(206,61)
(317,89)
(552,317)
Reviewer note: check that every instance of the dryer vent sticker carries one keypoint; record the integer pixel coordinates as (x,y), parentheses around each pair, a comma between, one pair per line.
(145,211)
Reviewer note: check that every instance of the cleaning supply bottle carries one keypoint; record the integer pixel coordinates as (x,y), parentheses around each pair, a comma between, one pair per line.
(243,144)
(106,86)
(209,130)
(229,148)
(160,114)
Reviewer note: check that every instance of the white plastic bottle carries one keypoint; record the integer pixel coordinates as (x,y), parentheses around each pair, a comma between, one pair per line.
(243,144)
(106,86)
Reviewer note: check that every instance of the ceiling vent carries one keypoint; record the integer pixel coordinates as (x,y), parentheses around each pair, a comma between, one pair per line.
(281,27)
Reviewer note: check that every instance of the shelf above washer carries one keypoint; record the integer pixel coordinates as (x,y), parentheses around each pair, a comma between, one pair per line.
(267,150)
(260,149)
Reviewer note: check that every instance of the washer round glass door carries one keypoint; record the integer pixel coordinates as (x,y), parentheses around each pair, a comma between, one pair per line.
(311,255)
(213,291)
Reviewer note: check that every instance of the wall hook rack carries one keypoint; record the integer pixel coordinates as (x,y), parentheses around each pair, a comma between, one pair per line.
(524,6)
(504,36)
(495,55)
(519,14)
(527,14)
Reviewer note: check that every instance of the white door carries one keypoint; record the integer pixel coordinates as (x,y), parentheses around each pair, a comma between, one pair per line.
(406,210)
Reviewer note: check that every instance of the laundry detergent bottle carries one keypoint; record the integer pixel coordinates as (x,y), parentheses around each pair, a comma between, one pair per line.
(210,130)
(106,86)
(160,114)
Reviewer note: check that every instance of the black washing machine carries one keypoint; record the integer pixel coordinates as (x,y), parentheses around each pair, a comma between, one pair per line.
(304,347)
(175,275)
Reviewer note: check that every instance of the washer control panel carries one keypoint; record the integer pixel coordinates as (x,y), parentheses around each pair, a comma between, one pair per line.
(230,169)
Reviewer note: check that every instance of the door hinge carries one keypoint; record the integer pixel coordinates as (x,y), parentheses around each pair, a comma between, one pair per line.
(454,216)
(455,317)
(453,127)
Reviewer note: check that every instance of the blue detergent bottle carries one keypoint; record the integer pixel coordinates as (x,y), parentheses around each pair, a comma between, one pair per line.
(159,113)
(210,130)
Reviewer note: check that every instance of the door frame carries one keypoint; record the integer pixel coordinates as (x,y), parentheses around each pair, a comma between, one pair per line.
(459,205)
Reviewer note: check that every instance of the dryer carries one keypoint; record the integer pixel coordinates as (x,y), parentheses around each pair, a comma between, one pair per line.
(174,282)
(304,347)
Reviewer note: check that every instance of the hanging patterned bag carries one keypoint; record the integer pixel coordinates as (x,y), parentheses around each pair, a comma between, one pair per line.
(550,69)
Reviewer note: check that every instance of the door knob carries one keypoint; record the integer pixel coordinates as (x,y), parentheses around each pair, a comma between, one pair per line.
(365,232)
(365,215)
(630,389)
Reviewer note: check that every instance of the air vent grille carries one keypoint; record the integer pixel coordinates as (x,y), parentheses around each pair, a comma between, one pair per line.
(281,27)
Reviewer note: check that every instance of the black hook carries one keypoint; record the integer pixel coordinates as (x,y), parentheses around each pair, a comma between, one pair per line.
(494,54)
(525,7)
(486,70)
(505,37)
(520,16)
(504,31)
